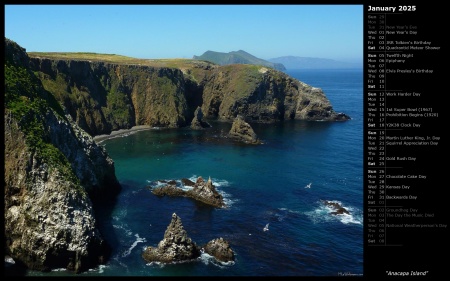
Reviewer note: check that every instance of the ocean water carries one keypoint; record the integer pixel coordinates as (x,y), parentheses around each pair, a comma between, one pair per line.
(263,184)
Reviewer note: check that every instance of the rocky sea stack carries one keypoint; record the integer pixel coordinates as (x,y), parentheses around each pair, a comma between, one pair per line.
(243,132)
(177,246)
(53,172)
(197,123)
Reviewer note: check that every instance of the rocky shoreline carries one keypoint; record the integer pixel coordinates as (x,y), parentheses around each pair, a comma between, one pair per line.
(123,133)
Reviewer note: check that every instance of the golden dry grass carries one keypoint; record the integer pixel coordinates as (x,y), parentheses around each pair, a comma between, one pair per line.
(118,59)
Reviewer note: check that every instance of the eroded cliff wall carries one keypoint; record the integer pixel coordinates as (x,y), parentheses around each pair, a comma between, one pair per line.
(102,97)
(265,95)
(53,171)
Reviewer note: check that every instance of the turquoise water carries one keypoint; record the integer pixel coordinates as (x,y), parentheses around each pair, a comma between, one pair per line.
(261,184)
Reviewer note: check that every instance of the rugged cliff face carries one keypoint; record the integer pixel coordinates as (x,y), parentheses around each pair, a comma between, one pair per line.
(102,96)
(265,95)
(53,171)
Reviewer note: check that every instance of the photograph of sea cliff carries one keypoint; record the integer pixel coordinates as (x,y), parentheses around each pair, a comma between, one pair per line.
(183,140)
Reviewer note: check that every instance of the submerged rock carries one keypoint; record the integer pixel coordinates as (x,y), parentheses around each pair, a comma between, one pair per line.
(176,246)
(338,209)
(242,131)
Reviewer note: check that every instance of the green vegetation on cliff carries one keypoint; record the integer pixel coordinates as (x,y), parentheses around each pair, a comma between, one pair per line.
(104,92)
(118,107)
(54,171)
(118,59)
(244,79)
(28,102)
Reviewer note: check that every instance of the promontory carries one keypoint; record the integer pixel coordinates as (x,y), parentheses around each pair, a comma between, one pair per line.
(103,93)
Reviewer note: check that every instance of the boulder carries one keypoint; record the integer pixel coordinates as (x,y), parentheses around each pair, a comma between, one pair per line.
(220,249)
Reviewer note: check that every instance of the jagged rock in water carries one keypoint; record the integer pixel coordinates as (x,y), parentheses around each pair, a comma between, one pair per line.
(242,131)
(203,191)
(220,249)
(176,246)
(169,190)
(338,209)
(340,116)
(197,122)
(206,192)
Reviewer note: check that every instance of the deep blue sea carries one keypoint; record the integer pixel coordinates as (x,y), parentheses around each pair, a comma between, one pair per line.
(263,184)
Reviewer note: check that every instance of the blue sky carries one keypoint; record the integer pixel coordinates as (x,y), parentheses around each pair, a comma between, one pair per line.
(182,31)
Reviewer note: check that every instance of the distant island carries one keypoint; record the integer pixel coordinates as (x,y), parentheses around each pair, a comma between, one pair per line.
(237,57)
(293,62)
(280,63)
